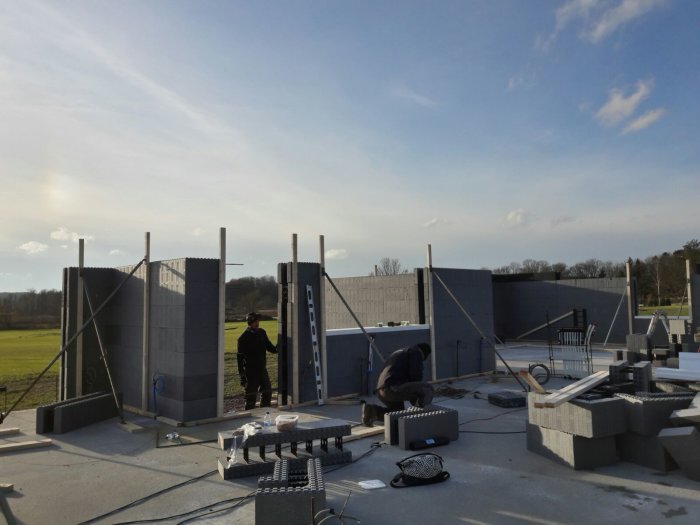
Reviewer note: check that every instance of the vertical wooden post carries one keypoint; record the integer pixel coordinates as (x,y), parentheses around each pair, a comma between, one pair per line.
(222,323)
(294,321)
(146,334)
(79,316)
(433,359)
(322,309)
(630,307)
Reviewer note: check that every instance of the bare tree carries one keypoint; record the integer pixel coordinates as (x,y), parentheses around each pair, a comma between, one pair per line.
(388,266)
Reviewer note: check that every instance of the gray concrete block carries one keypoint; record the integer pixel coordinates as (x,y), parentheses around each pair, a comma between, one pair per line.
(72,416)
(574,451)
(45,413)
(683,444)
(647,414)
(391,423)
(244,469)
(646,451)
(428,424)
(591,419)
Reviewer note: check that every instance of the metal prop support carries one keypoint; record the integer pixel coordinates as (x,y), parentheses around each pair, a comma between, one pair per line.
(103,352)
(70,341)
(622,298)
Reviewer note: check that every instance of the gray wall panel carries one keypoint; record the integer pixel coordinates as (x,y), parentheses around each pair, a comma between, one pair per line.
(459,347)
(348,350)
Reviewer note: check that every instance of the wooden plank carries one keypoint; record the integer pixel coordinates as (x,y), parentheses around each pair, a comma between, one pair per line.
(9,431)
(6,487)
(582,386)
(527,377)
(24,445)
(361,432)
(568,388)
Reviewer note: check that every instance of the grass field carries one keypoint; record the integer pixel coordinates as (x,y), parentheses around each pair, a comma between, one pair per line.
(671,311)
(25,353)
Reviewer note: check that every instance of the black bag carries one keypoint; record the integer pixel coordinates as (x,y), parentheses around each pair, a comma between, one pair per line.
(419,469)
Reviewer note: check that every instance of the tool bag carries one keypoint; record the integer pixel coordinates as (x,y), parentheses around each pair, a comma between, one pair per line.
(419,469)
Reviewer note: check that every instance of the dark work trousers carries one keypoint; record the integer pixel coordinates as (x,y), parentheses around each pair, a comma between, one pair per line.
(259,382)
(420,394)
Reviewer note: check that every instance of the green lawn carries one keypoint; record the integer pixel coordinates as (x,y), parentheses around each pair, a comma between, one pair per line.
(671,311)
(25,353)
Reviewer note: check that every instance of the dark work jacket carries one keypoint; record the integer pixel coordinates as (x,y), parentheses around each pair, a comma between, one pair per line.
(403,366)
(252,358)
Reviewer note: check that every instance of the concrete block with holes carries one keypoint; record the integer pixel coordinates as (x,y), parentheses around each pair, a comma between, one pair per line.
(426,425)
(648,413)
(72,416)
(291,503)
(590,419)
(391,423)
(574,451)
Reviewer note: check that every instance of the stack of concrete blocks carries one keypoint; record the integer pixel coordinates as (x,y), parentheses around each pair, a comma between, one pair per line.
(683,441)
(279,501)
(646,415)
(579,433)
(418,424)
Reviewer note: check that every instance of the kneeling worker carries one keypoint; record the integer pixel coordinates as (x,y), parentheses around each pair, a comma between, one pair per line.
(400,380)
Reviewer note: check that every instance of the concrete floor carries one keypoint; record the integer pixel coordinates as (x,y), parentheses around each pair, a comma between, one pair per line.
(494,479)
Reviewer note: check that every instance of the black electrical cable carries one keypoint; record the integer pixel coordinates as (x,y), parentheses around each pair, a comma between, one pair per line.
(149,497)
(183,514)
(241,501)
(492,417)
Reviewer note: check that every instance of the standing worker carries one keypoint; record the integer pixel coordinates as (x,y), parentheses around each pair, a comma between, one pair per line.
(252,362)
(400,380)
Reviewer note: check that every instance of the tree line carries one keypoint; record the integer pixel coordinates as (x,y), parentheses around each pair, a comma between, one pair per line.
(660,280)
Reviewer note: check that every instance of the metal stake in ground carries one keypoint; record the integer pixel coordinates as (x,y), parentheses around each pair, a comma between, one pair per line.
(481,333)
(70,341)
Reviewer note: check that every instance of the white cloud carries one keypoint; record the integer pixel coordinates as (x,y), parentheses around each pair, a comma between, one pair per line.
(517,217)
(32,247)
(404,93)
(116,251)
(434,222)
(600,18)
(564,219)
(197,232)
(337,254)
(619,107)
(644,121)
(63,234)
(613,19)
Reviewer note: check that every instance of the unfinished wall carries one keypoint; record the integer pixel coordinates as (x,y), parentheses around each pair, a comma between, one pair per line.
(183,335)
(460,348)
(348,355)
(376,299)
(523,305)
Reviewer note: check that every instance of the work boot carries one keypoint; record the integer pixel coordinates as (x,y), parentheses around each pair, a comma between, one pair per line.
(367,414)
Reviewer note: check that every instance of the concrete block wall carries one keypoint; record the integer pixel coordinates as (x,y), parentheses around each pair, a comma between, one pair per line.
(459,348)
(348,350)
(375,299)
(183,335)
(522,305)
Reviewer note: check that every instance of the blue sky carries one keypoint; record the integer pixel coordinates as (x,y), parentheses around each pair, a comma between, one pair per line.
(494,130)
